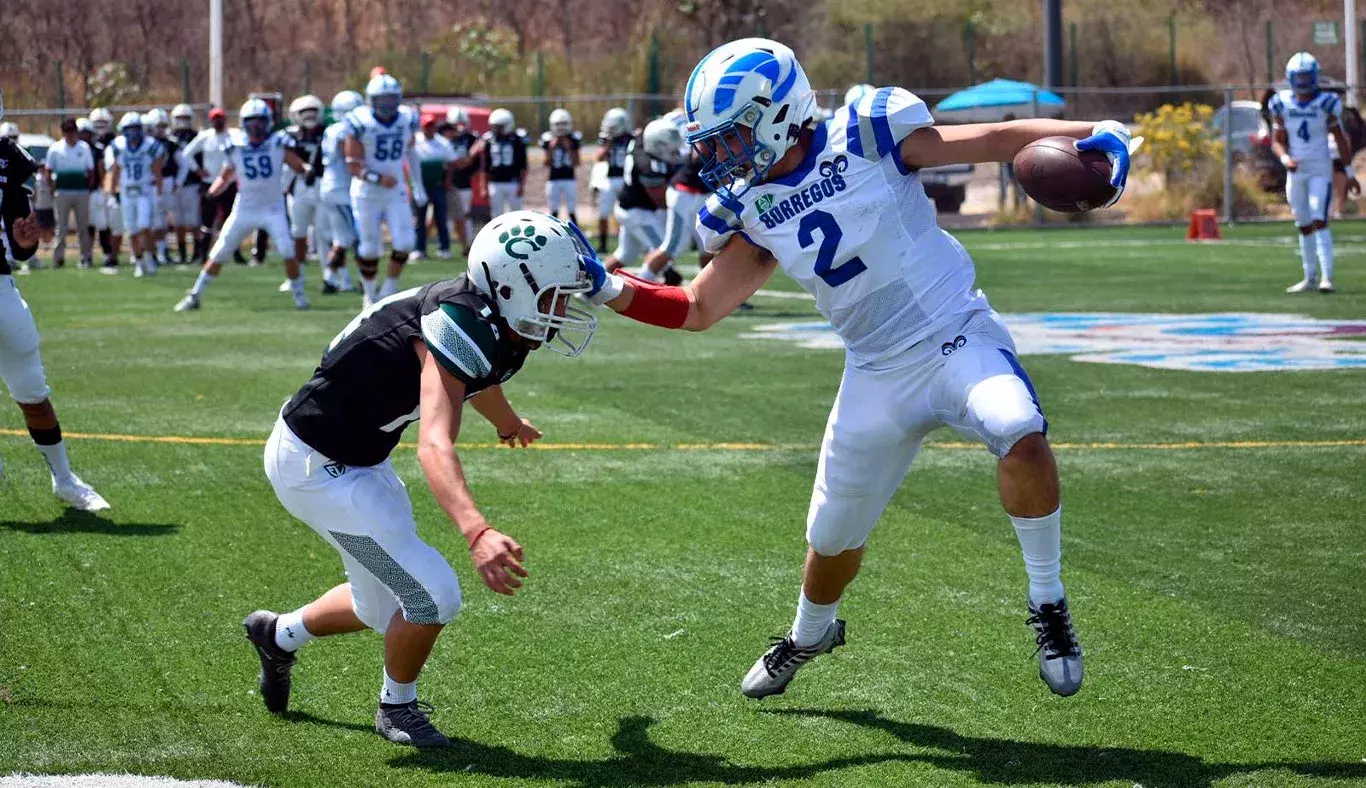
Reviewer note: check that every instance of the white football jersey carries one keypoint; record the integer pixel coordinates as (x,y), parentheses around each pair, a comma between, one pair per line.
(853,226)
(1306,125)
(135,164)
(336,180)
(386,147)
(258,169)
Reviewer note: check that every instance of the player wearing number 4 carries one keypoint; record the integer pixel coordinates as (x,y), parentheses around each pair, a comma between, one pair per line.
(839,206)
(1303,117)
(419,354)
(255,164)
(379,139)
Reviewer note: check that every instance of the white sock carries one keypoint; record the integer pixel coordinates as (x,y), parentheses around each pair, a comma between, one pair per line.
(390,286)
(1041,542)
(202,282)
(394,692)
(297,284)
(1324,238)
(329,276)
(345,276)
(812,621)
(646,274)
(1307,258)
(161,249)
(290,632)
(55,454)
(369,287)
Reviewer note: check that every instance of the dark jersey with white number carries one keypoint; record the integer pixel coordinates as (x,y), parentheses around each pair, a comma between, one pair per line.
(308,145)
(16,167)
(505,156)
(616,153)
(367,388)
(559,157)
(461,143)
(642,173)
(195,163)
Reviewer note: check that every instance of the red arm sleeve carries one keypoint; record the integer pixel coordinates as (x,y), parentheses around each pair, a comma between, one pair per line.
(656,304)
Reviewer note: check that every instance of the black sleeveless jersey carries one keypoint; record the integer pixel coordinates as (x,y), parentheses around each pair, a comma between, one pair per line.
(367,388)
(642,173)
(505,156)
(98,146)
(308,144)
(196,162)
(462,176)
(170,168)
(558,158)
(616,153)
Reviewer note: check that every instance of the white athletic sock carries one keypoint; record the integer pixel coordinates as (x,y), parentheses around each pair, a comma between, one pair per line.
(290,632)
(345,275)
(812,621)
(202,282)
(1041,542)
(161,249)
(1307,258)
(390,287)
(646,274)
(370,287)
(1324,238)
(55,454)
(394,692)
(297,283)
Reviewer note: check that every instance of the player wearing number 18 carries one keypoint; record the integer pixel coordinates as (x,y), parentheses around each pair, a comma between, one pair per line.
(839,206)
(418,354)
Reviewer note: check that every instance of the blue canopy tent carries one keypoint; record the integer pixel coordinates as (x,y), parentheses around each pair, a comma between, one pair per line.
(992,101)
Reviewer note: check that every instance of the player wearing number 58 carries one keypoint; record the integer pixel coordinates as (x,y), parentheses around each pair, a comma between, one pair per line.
(839,206)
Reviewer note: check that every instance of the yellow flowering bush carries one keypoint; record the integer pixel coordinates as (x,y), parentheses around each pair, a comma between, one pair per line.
(1179,141)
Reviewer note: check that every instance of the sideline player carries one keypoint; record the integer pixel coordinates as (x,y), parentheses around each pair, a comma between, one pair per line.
(838,205)
(132,164)
(504,149)
(1303,117)
(469,151)
(418,354)
(185,210)
(21,365)
(651,161)
(306,135)
(561,145)
(256,167)
(614,138)
(335,193)
(379,139)
(208,151)
(104,218)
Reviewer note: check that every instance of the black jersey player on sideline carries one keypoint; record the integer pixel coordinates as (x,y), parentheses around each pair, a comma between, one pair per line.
(417,354)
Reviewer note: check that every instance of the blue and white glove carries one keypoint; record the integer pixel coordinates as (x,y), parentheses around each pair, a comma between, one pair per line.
(419,195)
(605,286)
(1114,140)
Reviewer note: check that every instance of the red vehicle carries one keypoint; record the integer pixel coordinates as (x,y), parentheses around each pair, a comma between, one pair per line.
(479,123)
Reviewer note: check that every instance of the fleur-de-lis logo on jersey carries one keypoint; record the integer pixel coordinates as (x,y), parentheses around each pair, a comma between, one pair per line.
(519,234)
(764,203)
(838,164)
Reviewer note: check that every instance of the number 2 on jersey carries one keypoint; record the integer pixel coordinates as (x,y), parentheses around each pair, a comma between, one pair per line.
(1303,131)
(833,275)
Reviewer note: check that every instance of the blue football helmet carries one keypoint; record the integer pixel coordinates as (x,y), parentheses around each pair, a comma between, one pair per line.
(1302,72)
(384,94)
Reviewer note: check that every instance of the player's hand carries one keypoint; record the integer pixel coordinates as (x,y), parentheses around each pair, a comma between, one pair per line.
(27,233)
(498,560)
(524,434)
(420,198)
(1290,164)
(1353,188)
(1114,140)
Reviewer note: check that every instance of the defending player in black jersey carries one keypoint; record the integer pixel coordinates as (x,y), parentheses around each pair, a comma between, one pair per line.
(468,153)
(505,162)
(654,156)
(561,145)
(614,137)
(418,354)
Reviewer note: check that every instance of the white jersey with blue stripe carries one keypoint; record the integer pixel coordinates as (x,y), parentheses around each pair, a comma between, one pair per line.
(258,169)
(335,187)
(386,147)
(135,164)
(1307,125)
(853,226)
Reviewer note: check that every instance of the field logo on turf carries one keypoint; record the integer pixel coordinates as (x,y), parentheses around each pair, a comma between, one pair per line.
(1223,342)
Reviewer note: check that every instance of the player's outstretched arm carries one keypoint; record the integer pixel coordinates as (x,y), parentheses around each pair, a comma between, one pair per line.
(513,430)
(496,556)
(735,274)
(979,143)
(225,176)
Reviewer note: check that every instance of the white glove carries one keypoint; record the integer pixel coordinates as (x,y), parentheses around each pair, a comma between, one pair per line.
(419,196)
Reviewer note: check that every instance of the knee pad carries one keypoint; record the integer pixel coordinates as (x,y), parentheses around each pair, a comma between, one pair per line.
(368,266)
(397,257)
(837,522)
(1004,411)
(447,599)
(376,612)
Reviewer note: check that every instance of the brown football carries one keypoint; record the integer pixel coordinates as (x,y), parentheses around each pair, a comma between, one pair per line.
(1061,178)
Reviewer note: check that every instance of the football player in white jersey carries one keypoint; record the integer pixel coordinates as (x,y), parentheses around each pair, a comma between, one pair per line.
(379,141)
(255,162)
(132,164)
(335,193)
(1303,118)
(839,206)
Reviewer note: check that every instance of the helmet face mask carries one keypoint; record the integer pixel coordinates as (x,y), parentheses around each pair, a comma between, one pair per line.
(501,121)
(130,126)
(1302,72)
(458,117)
(307,111)
(384,94)
(182,117)
(561,123)
(255,119)
(662,141)
(615,122)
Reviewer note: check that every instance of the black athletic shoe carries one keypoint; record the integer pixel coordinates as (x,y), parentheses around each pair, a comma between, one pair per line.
(1060,662)
(672,278)
(330,289)
(275,661)
(407,723)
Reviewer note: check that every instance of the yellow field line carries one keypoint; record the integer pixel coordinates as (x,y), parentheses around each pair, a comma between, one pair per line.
(190,440)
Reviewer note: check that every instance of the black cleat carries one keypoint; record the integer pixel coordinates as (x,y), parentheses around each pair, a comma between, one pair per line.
(407,723)
(672,278)
(276,663)
(329,288)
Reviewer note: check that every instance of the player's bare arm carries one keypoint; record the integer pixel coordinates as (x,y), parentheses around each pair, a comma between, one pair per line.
(27,232)
(355,164)
(1280,145)
(226,176)
(294,161)
(513,430)
(1344,144)
(496,556)
(977,143)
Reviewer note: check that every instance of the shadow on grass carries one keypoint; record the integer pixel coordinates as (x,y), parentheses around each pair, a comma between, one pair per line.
(75,521)
(305,717)
(1006,762)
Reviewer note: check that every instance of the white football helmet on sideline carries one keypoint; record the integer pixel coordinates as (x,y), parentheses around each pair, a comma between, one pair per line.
(751,99)
(561,122)
(307,111)
(458,117)
(158,121)
(501,121)
(10,130)
(182,116)
(663,140)
(344,102)
(615,122)
(101,120)
(856,92)
(531,265)
(131,127)
(384,93)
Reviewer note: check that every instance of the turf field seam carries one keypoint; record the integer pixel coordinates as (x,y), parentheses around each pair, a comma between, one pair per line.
(194,440)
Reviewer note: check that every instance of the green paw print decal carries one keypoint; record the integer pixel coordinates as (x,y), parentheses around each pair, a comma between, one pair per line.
(523,234)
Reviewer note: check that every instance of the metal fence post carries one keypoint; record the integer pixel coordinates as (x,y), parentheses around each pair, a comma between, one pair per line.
(1171,48)
(1270,52)
(868,52)
(185,80)
(1072,54)
(653,78)
(540,92)
(308,75)
(1230,211)
(424,84)
(970,45)
(61,87)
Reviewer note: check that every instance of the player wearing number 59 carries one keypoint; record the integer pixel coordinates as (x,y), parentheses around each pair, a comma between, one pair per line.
(418,354)
(839,206)
(255,164)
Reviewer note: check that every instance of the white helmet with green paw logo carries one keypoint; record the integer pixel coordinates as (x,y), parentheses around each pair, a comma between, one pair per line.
(531,264)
